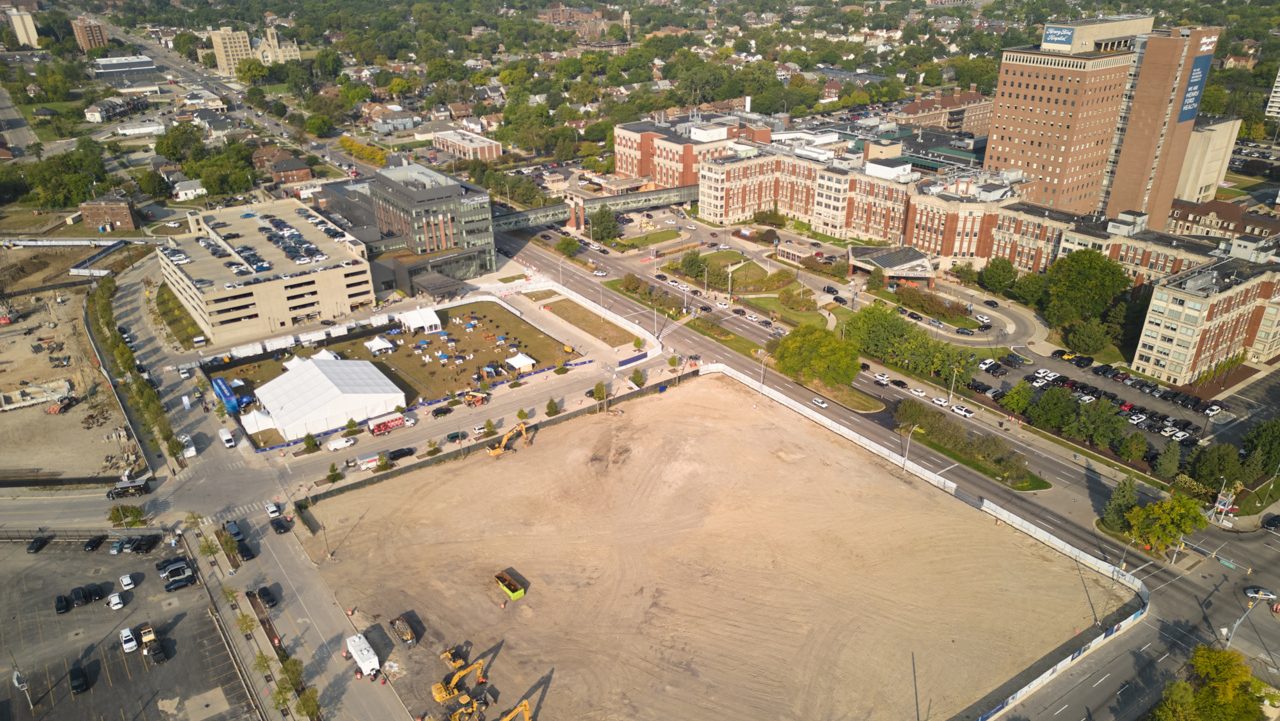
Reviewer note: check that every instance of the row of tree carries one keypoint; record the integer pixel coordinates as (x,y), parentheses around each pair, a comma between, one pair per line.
(880,333)
(1006,464)
(59,181)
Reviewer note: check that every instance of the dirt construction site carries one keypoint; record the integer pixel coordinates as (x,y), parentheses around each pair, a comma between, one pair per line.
(44,356)
(680,567)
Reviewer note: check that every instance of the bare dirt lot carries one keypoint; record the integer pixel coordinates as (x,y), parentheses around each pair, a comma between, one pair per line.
(94,427)
(679,567)
(22,268)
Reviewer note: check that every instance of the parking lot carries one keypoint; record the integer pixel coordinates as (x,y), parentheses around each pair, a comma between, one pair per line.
(197,682)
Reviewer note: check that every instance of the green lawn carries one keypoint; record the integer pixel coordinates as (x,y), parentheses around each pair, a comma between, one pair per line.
(1033,483)
(69,109)
(616,286)
(420,375)
(724,336)
(511,279)
(1229,194)
(841,312)
(770,304)
(179,321)
(591,323)
(79,230)
(849,397)
(275,88)
(723,257)
(540,295)
(657,236)
(748,275)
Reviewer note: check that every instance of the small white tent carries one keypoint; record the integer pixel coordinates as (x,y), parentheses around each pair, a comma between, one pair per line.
(378,345)
(521,363)
(423,319)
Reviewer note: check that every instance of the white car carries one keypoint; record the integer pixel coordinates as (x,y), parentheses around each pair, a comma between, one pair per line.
(1042,372)
(114,602)
(1086,400)
(273,509)
(1212,411)
(1039,383)
(722,246)
(918,392)
(1137,418)
(478,430)
(1181,436)
(982,319)
(1259,593)
(882,377)
(985,364)
(673,283)
(126,582)
(599,273)
(752,318)
(819,403)
(940,401)
(341,442)
(1051,376)
(669,222)
(184,373)
(721,304)
(127,641)
(1168,431)
(961,411)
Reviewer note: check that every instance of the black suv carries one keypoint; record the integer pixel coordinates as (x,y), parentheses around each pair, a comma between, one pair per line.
(279,525)
(441,412)
(267,597)
(93,543)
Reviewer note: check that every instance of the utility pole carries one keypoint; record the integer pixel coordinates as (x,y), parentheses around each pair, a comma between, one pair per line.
(1234,626)
(761,352)
(907,453)
(21,683)
(952,389)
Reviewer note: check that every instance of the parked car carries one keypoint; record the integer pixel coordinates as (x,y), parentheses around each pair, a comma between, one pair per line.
(93,543)
(61,604)
(126,581)
(127,641)
(820,403)
(115,602)
(178,584)
(441,412)
(279,525)
(78,597)
(37,543)
(398,453)
(267,597)
(233,529)
(961,411)
(78,680)
(964,331)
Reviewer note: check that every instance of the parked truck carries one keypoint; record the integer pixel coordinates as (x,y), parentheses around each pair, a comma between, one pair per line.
(400,624)
(150,644)
(383,425)
(359,649)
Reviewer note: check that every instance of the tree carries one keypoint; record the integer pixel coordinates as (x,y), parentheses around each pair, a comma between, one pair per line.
(1054,409)
(1081,286)
(1133,447)
(1124,497)
(1264,440)
(1215,464)
(567,247)
(36,149)
(291,672)
(1089,336)
(1096,423)
(813,353)
(1168,461)
(998,276)
(604,226)
(310,443)
(1029,289)
(876,280)
(251,71)
(181,143)
(351,427)
(127,516)
(965,272)
(246,623)
(280,697)
(153,184)
(185,44)
(637,378)
(600,392)
(522,414)
(1161,524)
(262,663)
(334,474)
(1178,704)
(308,705)
(553,408)
(1225,687)
(1018,398)
(489,429)
(328,64)
(319,125)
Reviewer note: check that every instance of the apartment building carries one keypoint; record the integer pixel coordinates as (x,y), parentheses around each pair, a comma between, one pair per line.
(24,27)
(954,219)
(1220,219)
(1207,159)
(670,154)
(1099,114)
(229,48)
(89,33)
(956,111)
(1029,236)
(249,288)
(1208,315)
(1145,254)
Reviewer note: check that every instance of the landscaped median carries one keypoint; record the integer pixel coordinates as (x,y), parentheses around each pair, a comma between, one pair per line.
(723,336)
(982,452)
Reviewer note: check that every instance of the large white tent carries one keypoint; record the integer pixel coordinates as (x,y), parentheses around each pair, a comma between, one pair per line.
(316,395)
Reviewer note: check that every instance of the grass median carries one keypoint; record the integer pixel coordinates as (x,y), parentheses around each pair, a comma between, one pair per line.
(851,398)
(1033,482)
(723,336)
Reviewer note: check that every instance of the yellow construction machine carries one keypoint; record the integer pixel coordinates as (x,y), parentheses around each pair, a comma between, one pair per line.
(468,709)
(501,447)
(521,710)
(451,689)
(453,657)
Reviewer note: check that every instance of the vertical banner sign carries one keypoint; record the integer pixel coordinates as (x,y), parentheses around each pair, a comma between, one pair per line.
(1195,88)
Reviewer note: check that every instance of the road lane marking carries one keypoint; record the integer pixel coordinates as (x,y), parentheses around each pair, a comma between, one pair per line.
(944,470)
(1144,648)
(1104,678)
(1064,708)
(1158,660)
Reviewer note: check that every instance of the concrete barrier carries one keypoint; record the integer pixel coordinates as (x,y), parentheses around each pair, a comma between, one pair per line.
(1109,570)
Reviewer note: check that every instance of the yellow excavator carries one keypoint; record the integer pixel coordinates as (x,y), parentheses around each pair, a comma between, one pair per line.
(450,689)
(468,709)
(453,657)
(521,710)
(501,447)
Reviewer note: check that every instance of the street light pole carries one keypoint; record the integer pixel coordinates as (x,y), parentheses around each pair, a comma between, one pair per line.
(907,453)
(1239,621)
(952,389)
(21,683)
(761,352)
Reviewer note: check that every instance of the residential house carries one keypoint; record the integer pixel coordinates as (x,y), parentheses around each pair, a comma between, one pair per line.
(290,170)
(267,156)
(395,123)
(188,190)
(458,111)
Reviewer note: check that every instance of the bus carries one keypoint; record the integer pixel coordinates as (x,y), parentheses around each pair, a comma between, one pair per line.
(126,488)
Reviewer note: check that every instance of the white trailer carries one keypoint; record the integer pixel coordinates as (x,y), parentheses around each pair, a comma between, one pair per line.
(360,650)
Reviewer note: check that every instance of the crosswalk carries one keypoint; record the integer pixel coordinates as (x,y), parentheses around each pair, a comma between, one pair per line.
(239,513)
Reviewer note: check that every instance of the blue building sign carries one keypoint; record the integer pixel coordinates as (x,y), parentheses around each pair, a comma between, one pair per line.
(1058,35)
(1195,88)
